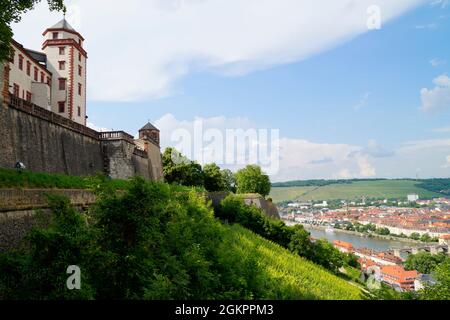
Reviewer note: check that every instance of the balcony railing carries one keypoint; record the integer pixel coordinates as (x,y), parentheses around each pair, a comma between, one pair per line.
(116,135)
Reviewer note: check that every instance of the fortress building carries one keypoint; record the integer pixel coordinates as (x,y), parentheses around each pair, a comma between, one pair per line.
(43,115)
(54,79)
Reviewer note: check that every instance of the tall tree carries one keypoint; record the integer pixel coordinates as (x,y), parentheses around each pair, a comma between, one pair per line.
(252,179)
(180,170)
(11,11)
(213,178)
(229,180)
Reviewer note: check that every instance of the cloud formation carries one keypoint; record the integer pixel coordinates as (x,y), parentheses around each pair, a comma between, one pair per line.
(139,49)
(437,98)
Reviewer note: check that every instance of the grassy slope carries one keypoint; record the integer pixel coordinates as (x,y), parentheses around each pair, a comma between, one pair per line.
(287,276)
(371,189)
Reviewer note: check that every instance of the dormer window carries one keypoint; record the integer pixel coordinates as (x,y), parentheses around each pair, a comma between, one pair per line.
(55,35)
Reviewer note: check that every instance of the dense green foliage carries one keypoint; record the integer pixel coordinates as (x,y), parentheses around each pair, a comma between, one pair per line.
(229,180)
(214,180)
(436,185)
(251,179)
(11,12)
(440,290)
(154,242)
(296,238)
(12,179)
(180,170)
(425,262)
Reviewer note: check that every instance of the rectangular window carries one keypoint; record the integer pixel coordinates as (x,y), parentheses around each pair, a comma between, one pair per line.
(42,77)
(62,65)
(55,35)
(36,74)
(79,89)
(61,107)
(62,84)
(80,71)
(28,96)
(13,55)
(28,68)
(20,62)
(16,90)
(79,57)
(79,111)
(62,51)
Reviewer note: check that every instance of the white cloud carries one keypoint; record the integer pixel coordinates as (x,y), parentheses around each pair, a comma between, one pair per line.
(139,48)
(304,159)
(436,62)
(438,98)
(298,158)
(447,162)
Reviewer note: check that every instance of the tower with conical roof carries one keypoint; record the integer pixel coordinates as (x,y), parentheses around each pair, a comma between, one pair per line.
(66,60)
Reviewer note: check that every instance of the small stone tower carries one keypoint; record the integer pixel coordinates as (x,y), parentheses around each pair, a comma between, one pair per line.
(149,140)
(150,133)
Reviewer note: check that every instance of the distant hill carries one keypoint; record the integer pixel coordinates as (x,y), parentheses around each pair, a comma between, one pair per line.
(316,190)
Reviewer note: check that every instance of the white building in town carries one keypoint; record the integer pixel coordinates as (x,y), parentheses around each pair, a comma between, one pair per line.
(413,197)
(55,78)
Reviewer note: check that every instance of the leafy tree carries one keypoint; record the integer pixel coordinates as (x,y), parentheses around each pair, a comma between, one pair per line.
(11,11)
(229,180)
(180,170)
(327,255)
(424,262)
(415,236)
(352,260)
(383,231)
(251,179)
(300,242)
(441,290)
(425,238)
(214,180)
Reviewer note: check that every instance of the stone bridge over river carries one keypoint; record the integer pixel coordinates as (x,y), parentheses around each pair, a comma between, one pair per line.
(432,248)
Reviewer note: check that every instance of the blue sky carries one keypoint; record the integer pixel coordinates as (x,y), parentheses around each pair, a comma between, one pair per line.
(362,90)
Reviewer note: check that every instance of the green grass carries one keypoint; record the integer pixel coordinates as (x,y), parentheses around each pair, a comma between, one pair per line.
(287,276)
(12,179)
(390,189)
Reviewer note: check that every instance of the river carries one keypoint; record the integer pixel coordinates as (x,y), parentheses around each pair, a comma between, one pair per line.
(358,241)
